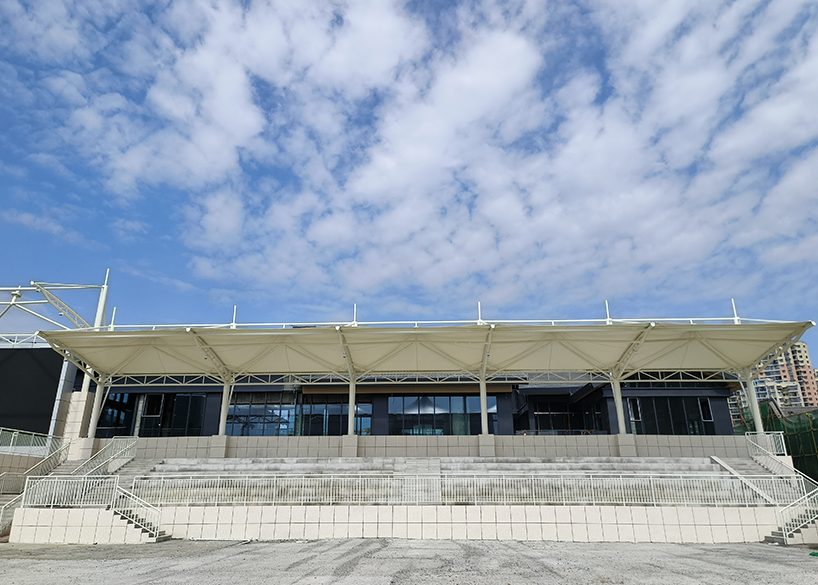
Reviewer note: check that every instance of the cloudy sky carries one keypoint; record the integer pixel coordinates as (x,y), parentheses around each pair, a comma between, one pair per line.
(414,157)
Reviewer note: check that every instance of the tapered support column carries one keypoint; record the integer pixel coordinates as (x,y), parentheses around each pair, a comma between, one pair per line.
(620,409)
(351,417)
(96,411)
(755,411)
(225,408)
(99,319)
(484,408)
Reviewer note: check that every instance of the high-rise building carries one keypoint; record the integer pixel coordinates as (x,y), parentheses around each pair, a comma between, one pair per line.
(794,365)
(784,394)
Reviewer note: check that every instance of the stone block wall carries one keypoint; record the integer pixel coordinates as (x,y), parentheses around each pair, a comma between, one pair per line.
(397,446)
(17,463)
(728,446)
(537,523)
(73,526)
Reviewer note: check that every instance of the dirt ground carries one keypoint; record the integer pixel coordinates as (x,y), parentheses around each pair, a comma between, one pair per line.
(384,561)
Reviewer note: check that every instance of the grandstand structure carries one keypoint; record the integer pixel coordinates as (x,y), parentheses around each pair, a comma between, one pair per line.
(588,430)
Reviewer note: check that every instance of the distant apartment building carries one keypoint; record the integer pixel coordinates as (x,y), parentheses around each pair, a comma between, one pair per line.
(789,380)
(784,394)
(794,365)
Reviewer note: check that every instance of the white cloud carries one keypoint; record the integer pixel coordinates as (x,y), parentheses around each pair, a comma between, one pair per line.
(521,150)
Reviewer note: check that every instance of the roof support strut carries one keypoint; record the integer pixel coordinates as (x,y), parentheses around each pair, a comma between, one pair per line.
(484,401)
(351,370)
(617,375)
(227,377)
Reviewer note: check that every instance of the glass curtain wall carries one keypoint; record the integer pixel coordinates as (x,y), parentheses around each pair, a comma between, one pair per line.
(284,414)
(562,418)
(674,415)
(117,416)
(439,415)
(172,415)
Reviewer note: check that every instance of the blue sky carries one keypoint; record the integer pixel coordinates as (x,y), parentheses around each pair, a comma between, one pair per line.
(295,158)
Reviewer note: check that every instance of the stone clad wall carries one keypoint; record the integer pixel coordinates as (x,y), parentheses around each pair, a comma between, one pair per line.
(420,446)
(73,526)
(443,446)
(17,463)
(537,523)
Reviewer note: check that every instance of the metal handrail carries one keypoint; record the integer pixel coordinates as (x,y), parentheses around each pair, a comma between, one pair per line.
(651,490)
(13,482)
(774,439)
(802,511)
(770,461)
(85,491)
(17,442)
(799,512)
(43,467)
(120,448)
(137,510)
(91,491)
(7,514)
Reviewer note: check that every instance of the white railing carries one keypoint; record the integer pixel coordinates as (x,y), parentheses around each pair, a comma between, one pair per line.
(757,445)
(771,442)
(91,491)
(797,514)
(7,514)
(28,444)
(88,491)
(137,510)
(764,448)
(14,483)
(118,452)
(650,490)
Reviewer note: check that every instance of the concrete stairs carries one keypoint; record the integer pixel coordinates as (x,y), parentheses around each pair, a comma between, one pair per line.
(578,466)
(435,466)
(746,466)
(136,468)
(777,536)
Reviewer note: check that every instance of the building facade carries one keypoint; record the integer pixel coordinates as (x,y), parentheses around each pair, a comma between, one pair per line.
(794,365)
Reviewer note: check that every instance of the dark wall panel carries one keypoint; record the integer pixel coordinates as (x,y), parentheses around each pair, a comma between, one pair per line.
(28,387)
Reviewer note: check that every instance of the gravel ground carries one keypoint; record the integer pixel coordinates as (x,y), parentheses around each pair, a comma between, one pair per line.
(370,561)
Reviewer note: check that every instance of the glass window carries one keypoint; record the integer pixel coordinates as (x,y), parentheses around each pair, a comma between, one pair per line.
(633,405)
(704,409)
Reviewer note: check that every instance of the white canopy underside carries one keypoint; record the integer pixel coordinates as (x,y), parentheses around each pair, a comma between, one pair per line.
(621,348)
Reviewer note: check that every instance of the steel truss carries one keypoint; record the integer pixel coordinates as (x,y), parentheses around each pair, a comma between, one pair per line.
(413,378)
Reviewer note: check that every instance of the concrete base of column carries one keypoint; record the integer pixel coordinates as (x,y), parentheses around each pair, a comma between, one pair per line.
(627,445)
(218,447)
(349,446)
(485,445)
(80,449)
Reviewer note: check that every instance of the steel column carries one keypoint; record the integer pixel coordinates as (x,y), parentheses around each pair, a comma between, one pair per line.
(755,411)
(226,390)
(351,418)
(99,319)
(620,409)
(484,407)
(97,410)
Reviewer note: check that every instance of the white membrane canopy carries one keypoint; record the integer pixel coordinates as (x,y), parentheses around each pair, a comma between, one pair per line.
(619,349)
